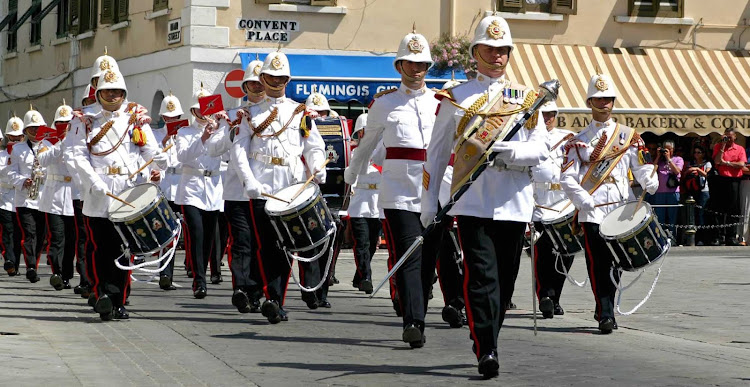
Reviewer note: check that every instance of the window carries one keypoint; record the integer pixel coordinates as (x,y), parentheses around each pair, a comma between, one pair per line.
(13,19)
(160,5)
(82,16)
(656,8)
(35,37)
(567,7)
(114,11)
(63,18)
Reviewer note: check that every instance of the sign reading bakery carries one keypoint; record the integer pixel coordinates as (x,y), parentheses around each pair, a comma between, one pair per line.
(263,30)
(665,123)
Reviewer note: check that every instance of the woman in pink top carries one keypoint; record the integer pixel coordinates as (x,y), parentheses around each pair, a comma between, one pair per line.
(669,169)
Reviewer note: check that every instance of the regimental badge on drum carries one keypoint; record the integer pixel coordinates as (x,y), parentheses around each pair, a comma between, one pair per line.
(648,243)
(156,224)
(311,224)
(104,64)
(415,45)
(141,233)
(276,63)
(601,84)
(494,30)
(170,106)
(331,153)
(632,250)
(297,230)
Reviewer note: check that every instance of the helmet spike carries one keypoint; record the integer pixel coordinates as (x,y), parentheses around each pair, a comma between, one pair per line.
(105,50)
(453,75)
(63,101)
(201,84)
(31,107)
(170,93)
(414,28)
(598,70)
(257,56)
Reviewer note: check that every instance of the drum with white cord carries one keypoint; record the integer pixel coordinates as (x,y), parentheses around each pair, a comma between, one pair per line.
(558,224)
(634,237)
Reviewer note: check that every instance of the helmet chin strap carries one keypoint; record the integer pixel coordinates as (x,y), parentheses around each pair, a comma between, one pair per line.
(406,75)
(492,66)
(272,88)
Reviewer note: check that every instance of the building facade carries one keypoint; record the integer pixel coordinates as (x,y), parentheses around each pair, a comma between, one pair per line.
(681,66)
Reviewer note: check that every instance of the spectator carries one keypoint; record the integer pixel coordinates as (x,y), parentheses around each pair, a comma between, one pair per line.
(745,198)
(669,169)
(729,160)
(695,184)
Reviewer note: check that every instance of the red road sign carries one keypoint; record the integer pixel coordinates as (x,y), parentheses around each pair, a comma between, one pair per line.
(233,83)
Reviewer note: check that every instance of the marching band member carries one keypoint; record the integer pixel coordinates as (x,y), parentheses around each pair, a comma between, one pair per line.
(8,222)
(595,178)
(56,202)
(170,110)
(28,177)
(402,119)
(547,192)
(199,191)
(317,105)
(267,150)
(107,140)
(493,213)
(247,284)
(364,214)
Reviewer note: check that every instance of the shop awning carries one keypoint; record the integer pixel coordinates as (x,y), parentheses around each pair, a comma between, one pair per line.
(342,78)
(659,90)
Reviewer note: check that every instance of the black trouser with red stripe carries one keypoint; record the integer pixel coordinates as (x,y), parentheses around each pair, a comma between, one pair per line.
(201,226)
(62,244)
(33,234)
(245,270)
(8,226)
(103,246)
(492,252)
(549,282)
(391,257)
(169,269)
(450,274)
(599,260)
(272,260)
(219,247)
(80,244)
(414,278)
(365,235)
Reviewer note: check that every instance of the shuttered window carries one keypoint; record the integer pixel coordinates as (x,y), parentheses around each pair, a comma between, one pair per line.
(160,5)
(656,8)
(113,11)
(567,7)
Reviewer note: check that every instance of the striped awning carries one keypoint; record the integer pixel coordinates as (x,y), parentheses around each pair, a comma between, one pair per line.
(648,81)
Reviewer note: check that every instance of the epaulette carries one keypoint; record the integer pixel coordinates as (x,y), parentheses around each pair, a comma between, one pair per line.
(384,92)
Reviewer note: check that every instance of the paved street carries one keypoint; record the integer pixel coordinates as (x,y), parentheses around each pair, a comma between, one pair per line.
(693,331)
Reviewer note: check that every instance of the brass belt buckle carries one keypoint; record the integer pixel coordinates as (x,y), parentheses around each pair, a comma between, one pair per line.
(372,186)
(113,170)
(555,187)
(277,160)
(67,179)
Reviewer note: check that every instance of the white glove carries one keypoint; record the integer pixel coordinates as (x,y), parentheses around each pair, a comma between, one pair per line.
(253,189)
(161,159)
(426,217)
(505,151)
(588,204)
(320,176)
(652,186)
(99,189)
(350,176)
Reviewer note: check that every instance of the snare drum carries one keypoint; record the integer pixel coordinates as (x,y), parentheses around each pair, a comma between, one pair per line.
(303,224)
(148,226)
(636,240)
(558,224)
(335,134)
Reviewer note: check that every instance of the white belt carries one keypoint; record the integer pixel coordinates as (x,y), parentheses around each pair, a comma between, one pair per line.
(266,159)
(366,186)
(112,170)
(501,166)
(63,178)
(7,186)
(174,171)
(199,172)
(547,186)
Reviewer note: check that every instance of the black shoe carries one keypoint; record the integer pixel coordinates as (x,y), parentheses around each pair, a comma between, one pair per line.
(357,285)
(106,316)
(56,281)
(77,289)
(165,283)
(733,242)
(489,365)
(366,287)
(452,316)
(255,306)
(103,305)
(10,268)
(66,284)
(413,335)
(270,310)
(397,307)
(32,276)
(92,299)
(511,305)
(715,242)
(615,326)
(200,293)
(190,274)
(216,279)
(86,291)
(312,304)
(559,310)
(607,325)
(283,315)
(120,313)
(547,307)
(240,301)
(324,304)
(333,280)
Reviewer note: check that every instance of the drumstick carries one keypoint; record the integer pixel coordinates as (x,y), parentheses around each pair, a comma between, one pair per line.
(275,198)
(149,162)
(119,200)
(606,204)
(309,179)
(549,208)
(643,195)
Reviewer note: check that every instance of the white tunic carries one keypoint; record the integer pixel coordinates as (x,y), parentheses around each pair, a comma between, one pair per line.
(497,194)
(59,188)
(546,176)
(607,192)
(171,176)
(21,164)
(200,183)
(7,189)
(400,119)
(101,168)
(364,200)
(255,155)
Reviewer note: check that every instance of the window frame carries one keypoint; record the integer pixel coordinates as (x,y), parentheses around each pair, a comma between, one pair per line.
(63,19)
(11,43)
(35,32)
(656,10)
(76,8)
(552,7)
(160,5)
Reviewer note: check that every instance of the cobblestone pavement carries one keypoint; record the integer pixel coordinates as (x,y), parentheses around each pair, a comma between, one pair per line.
(693,331)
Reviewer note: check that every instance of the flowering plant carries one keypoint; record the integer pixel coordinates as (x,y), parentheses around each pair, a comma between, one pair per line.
(451,53)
